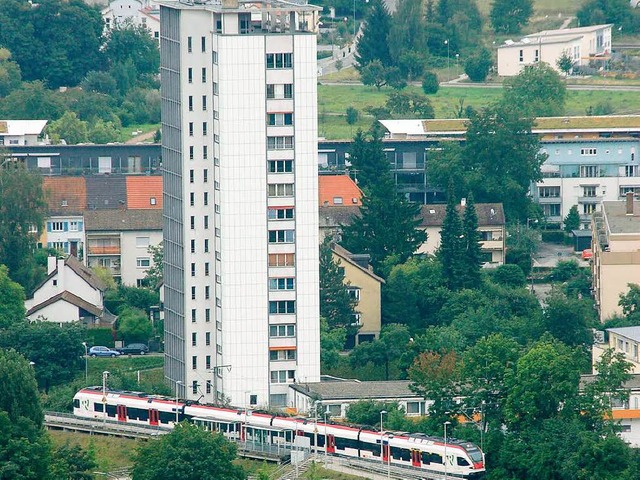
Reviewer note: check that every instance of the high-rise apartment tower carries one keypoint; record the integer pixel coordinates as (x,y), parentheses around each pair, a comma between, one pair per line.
(239,154)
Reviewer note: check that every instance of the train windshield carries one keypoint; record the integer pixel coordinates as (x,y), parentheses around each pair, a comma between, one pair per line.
(475,454)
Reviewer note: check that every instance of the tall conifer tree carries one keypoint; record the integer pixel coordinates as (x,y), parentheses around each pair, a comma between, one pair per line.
(472,248)
(372,45)
(451,250)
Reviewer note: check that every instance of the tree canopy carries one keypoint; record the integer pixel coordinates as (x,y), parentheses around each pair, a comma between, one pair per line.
(510,16)
(537,91)
(372,44)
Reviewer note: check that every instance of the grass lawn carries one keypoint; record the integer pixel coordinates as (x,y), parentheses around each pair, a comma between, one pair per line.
(124,364)
(127,133)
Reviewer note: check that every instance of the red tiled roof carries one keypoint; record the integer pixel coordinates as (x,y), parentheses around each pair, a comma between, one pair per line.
(141,190)
(65,194)
(338,191)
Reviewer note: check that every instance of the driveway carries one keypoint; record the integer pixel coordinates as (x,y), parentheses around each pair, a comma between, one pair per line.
(549,254)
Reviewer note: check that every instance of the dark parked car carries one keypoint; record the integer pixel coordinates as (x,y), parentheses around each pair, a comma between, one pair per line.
(134,349)
(100,351)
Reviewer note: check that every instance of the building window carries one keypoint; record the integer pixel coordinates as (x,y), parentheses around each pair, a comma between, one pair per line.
(589,171)
(279,119)
(217,232)
(281,236)
(589,191)
(280,189)
(193,222)
(190,75)
(194,339)
(631,171)
(204,74)
(279,91)
(56,226)
(207,292)
(152,201)
(280,166)
(214,57)
(206,245)
(282,260)
(282,355)
(207,314)
(536,57)
(279,143)
(215,88)
(206,222)
(625,190)
(189,44)
(191,176)
(192,199)
(283,376)
(205,152)
(194,387)
(203,44)
(288,90)
(551,209)
(193,269)
(206,198)
(143,262)
(208,386)
(190,103)
(588,152)
(204,128)
(191,152)
(205,175)
(207,362)
(207,338)
(548,192)
(193,315)
(191,129)
(206,269)
(193,293)
(287,283)
(280,213)
(354,293)
(588,208)
(282,307)
(193,246)
(521,56)
(279,60)
(204,102)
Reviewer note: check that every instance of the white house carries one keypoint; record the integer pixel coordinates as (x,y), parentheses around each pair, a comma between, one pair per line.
(22,132)
(144,13)
(583,44)
(70,293)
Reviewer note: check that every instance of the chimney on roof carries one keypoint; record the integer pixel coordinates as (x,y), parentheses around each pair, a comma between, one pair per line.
(361,259)
(629,203)
(52,263)
(463,202)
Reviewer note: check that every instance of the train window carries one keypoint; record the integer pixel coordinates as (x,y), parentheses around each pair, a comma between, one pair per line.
(111,410)
(97,407)
(462,462)
(374,448)
(401,453)
(141,414)
(76,403)
(166,417)
(431,457)
(342,443)
(475,454)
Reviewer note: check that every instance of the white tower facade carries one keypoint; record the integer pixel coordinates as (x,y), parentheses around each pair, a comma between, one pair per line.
(239,148)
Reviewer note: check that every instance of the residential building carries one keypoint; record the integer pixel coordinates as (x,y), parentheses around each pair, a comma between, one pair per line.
(119,240)
(139,13)
(624,340)
(491,226)
(616,253)
(64,228)
(22,132)
(366,288)
(585,45)
(335,395)
(589,158)
(70,293)
(239,152)
(340,200)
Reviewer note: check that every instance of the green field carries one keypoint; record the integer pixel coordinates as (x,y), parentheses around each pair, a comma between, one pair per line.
(333,101)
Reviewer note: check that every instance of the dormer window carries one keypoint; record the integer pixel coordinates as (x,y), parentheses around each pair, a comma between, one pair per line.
(337,200)
(64,203)
(152,200)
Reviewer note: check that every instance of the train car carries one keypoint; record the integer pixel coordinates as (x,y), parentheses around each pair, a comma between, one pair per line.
(458,459)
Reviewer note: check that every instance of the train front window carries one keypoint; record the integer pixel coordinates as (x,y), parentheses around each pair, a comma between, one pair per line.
(475,454)
(462,462)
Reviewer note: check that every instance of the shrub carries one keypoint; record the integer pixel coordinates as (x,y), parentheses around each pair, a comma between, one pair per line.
(430,83)
(478,65)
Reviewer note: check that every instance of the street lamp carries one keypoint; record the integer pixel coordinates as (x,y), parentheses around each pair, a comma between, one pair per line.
(447,423)
(86,359)
(446,42)
(105,374)
(457,64)
(178,383)
(382,412)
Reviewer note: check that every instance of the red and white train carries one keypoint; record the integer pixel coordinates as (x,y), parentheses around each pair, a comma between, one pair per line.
(415,451)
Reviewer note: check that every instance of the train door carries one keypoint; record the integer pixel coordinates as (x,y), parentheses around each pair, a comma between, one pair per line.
(415,458)
(385,452)
(121,410)
(154,417)
(331,444)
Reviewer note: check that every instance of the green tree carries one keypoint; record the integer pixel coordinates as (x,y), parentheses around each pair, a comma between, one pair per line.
(618,12)
(332,341)
(337,306)
(11,300)
(430,84)
(509,276)
(352,116)
(72,462)
(451,249)
(572,220)
(372,44)
(56,351)
(367,412)
(630,301)
(377,75)
(477,65)
(32,101)
(411,65)
(19,388)
(383,351)
(102,132)
(569,319)
(68,128)
(100,82)
(472,249)
(410,104)
(538,91)
(407,32)
(154,274)
(134,325)
(22,210)
(510,16)
(10,75)
(565,63)
(133,42)
(188,453)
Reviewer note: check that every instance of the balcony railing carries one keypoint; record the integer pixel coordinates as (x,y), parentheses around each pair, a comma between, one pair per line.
(104,250)
(590,199)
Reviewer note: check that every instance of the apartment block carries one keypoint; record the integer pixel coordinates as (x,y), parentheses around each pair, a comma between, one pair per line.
(239,123)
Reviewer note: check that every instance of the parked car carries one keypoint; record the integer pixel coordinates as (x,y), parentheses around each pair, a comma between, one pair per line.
(100,351)
(134,349)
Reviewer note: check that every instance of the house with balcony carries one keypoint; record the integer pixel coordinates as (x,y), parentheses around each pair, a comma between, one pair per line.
(616,253)
(366,288)
(70,293)
(587,46)
(491,226)
(119,241)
